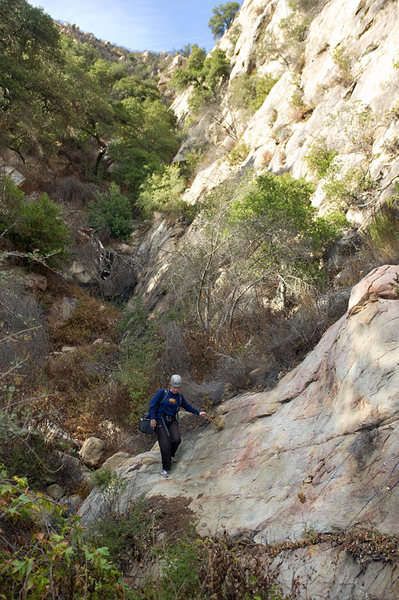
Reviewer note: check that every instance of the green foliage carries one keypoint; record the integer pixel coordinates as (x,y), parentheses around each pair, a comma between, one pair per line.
(223,16)
(250,91)
(192,71)
(290,48)
(145,141)
(132,86)
(252,232)
(51,559)
(56,93)
(320,157)
(162,192)
(33,224)
(32,104)
(180,574)
(192,160)
(238,154)
(234,34)
(127,538)
(343,188)
(142,346)
(205,74)
(383,231)
(216,69)
(344,61)
(111,212)
(279,197)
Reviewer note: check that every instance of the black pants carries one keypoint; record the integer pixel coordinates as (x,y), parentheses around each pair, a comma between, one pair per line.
(168,444)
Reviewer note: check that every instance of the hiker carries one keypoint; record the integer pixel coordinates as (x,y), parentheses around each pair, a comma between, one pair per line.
(163,413)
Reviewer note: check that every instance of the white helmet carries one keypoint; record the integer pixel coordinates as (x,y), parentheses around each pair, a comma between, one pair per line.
(175,381)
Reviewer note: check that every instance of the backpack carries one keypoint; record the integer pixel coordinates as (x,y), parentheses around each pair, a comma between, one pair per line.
(144,424)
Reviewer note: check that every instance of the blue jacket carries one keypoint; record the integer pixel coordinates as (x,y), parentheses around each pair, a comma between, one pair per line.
(168,404)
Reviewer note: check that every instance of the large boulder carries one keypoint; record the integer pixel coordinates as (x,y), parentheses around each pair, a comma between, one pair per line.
(317,453)
(92,451)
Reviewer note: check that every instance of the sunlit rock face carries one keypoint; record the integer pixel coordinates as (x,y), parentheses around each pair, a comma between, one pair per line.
(357,35)
(318,452)
(349,62)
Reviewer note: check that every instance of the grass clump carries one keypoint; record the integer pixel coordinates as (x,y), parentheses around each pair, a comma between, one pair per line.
(238,154)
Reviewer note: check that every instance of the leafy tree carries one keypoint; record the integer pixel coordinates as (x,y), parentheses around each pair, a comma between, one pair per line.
(33,107)
(132,86)
(145,141)
(223,16)
(192,71)
(216,68)
(204,73)
(57,95)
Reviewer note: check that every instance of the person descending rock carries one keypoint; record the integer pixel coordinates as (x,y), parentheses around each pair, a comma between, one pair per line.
(163,413)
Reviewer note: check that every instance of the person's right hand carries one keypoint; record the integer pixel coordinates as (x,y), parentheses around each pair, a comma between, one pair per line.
(153,423)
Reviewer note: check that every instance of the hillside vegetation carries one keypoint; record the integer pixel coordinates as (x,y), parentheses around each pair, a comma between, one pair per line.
(198,213)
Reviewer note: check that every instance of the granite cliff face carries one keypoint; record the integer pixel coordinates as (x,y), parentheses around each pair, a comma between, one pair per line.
(318,453)
(338,87)
(347,63)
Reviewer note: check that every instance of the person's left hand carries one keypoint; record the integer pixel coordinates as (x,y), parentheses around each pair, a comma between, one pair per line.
(202,413)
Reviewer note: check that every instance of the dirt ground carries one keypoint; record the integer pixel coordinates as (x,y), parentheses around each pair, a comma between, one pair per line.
(172,517)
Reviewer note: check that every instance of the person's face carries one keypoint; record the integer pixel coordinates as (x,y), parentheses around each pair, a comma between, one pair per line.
(174,389)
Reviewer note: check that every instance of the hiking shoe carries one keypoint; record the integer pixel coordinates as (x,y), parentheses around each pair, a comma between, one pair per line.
(165,473)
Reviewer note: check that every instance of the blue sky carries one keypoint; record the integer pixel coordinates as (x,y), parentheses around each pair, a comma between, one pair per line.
(138,24)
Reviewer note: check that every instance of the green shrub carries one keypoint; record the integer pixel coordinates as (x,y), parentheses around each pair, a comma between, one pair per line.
(127,538)
(205,74)
(289,49)
(345,188)
(49,556)
(112,213)
(320,157)
(199,98)
(238,154)
(33,224)
(344,61)
(250,91)
(191,162)
(111,485)
(234,34)
(162,192)
(192,71)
